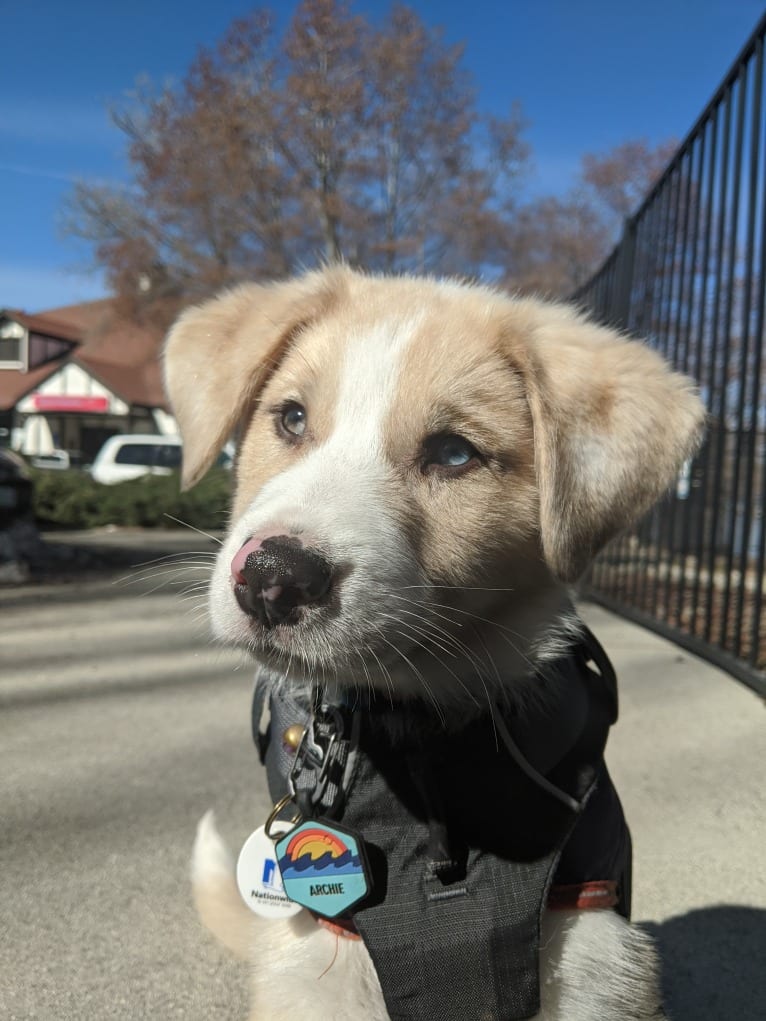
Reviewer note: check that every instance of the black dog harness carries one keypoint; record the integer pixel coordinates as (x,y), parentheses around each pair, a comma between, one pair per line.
(469,831)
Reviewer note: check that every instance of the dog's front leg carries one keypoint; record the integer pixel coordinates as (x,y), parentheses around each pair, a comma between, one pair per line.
(300,967)
(596,967)
(295,965)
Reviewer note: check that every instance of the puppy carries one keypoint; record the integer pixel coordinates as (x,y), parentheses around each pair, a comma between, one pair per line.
(422,468)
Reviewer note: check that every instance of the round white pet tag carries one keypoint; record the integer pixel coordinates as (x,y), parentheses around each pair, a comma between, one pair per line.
(258,876)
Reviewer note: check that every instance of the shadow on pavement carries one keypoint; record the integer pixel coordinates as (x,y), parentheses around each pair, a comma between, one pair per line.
(712,964)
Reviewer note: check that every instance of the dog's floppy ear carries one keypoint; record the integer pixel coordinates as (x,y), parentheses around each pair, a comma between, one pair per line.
(613,425)
(218,356)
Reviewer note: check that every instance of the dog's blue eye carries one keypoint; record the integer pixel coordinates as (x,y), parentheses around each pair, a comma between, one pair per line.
(454,452)
(293,419)
(449,451)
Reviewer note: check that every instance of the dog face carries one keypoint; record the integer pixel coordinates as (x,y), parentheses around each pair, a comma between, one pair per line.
(420,466)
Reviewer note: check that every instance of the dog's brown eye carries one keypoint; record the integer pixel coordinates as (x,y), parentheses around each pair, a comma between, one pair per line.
(450,452)
(292,419)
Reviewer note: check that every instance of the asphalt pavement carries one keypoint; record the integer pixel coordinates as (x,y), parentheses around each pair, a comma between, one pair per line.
(120,724)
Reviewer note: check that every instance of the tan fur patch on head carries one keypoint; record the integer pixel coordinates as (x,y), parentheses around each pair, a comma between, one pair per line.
(455,380)
(613,426)
(579,430)
(453,377)
(218,355)
(309,375)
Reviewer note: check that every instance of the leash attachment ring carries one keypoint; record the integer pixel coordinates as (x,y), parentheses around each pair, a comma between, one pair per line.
(280,806)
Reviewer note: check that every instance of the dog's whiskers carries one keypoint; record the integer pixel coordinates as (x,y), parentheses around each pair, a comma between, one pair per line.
(161,568)
(185,524)
(490,701)
(384,671)
(432,635)
(418,675)
(429,651)
(501,628)
(370,625)
(428,609)
(471,656)
(437,634)
(456,588)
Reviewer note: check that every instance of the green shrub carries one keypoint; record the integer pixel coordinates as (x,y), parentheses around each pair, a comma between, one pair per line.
(71,499)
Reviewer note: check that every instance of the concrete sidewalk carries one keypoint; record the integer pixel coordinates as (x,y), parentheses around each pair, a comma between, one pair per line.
(688,756)
(139,724)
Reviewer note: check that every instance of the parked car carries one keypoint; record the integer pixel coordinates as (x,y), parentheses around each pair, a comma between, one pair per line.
(58,460)
(15,488)
(128,456)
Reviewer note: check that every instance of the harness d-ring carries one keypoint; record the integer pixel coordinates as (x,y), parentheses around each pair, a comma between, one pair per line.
(279,807)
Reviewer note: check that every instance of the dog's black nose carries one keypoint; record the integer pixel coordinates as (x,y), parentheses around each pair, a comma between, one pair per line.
(276,576)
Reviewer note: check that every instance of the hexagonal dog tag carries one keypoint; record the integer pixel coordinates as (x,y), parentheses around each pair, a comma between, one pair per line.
(323,867)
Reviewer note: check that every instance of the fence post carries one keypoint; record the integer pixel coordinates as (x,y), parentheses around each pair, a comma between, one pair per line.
(626,261)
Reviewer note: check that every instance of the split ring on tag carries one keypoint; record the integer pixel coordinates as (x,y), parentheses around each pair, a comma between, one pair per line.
(269,826)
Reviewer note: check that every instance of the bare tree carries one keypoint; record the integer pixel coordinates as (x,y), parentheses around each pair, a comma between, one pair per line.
(620,179)
(341,140)
(557,243)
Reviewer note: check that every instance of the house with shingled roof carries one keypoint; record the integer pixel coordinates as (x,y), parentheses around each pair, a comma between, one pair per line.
(72,377)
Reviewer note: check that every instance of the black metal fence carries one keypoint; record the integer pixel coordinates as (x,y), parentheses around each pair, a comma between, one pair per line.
(689,275)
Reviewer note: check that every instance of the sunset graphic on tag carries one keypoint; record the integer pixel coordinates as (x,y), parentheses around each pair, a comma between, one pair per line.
(322,868)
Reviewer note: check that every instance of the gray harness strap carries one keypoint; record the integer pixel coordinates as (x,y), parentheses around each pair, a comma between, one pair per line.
(464,831)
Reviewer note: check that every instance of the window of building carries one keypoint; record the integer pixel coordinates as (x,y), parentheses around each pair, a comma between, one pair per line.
(43,349)
(12,345)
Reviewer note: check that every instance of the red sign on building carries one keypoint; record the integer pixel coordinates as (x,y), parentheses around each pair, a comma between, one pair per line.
(63,402)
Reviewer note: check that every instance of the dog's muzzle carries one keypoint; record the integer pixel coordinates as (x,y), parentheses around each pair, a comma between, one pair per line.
(275,577)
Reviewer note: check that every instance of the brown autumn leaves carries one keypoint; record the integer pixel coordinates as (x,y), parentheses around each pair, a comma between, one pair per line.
(338,140)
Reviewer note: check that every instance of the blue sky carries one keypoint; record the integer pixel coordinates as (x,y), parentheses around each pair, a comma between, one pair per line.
(589,74)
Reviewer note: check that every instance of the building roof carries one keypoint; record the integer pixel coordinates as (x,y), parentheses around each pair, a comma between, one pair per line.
(44,323)
(14,384)
(122,355)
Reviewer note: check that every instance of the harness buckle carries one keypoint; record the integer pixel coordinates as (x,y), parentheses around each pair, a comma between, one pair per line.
(316,750)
